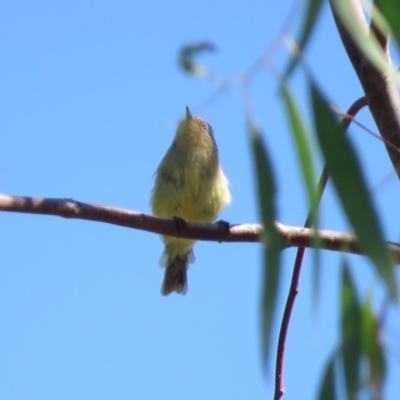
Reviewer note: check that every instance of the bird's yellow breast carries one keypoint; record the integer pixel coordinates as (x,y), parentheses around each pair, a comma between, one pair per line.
(189,181)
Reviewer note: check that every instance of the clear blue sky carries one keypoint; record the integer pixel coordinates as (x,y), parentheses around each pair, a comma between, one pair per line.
(90,96)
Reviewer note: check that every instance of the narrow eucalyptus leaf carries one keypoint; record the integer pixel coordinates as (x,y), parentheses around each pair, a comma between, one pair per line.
(349,182)
(273,242)
(311,13)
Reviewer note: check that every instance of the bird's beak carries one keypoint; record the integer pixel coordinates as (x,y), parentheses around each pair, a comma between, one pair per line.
(188,114)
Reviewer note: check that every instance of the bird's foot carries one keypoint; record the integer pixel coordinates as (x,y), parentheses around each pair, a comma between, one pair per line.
(179,222)
(224,224)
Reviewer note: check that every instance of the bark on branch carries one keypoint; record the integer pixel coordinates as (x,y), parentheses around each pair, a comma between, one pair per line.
(380,90)
(292,236)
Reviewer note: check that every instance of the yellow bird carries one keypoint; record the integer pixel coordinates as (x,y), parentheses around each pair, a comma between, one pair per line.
(190,185)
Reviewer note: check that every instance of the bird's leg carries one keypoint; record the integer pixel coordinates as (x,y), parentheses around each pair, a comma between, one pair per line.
(224,224)
(179,222)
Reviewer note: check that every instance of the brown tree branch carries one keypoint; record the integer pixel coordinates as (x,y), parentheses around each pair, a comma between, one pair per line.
(380,89)
(292,236)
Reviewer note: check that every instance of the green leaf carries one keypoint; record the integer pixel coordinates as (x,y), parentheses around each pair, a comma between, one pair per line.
(301,136)
(187,54)
(308,24)
(273,242)
(379,20)
(391,11)
(304,148)
(327,390)
(351,347)
(373,350)
(348,179)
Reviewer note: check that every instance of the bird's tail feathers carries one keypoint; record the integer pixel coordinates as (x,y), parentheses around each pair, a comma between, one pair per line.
(175,278)
(165,258)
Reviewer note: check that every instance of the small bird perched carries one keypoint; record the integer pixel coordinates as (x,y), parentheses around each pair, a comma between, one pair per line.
(189,185)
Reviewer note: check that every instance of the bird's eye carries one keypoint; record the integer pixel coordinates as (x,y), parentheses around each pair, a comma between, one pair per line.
(204,126)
